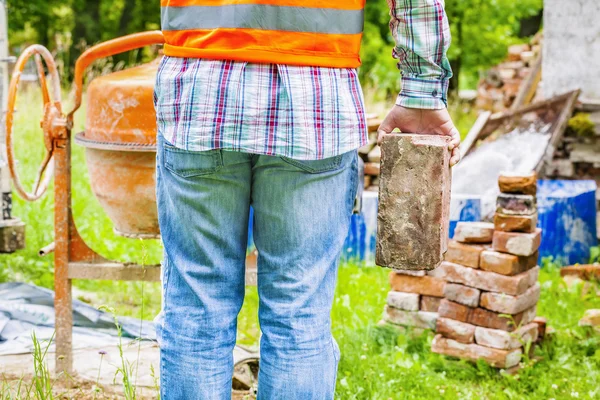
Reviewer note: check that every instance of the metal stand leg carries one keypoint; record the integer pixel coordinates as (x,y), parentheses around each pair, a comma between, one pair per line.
(62,236)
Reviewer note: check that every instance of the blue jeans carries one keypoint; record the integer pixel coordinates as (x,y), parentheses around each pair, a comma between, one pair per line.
(302,214)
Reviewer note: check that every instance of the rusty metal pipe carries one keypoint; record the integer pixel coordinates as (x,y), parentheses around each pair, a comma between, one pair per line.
(44,251)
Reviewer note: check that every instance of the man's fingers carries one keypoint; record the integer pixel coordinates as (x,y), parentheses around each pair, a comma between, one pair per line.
(380,134)
(455,157)
(455,141)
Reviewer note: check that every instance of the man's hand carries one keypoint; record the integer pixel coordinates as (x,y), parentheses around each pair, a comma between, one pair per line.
(431,122)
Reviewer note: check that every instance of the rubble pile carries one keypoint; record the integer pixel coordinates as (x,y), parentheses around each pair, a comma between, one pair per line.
(498,89)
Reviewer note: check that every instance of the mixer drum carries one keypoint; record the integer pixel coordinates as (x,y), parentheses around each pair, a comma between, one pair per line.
(120,142)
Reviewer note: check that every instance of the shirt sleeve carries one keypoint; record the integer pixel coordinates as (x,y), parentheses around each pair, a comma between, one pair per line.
(422,35)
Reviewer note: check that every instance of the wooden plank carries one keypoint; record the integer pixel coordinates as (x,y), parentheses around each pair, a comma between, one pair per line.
(114,271)
(132,272)
(558,131)
(529,86)
(474,132)
(555,111)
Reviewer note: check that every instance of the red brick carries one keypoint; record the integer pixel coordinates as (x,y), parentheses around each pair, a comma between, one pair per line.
(542,324)
(455,311)
(426,285)
(591,318)
(584,272)
(430,303)
(489,281)
(515,51)
(417,319)
(403,301)
(515,223)
(413,218)
(494,357)
(464,254)
(506,264)
(490,319)
(516,204)
(503,340)
(462,294)
(518,184)
(506,304)
(456,330)
(474,232)
(519,244)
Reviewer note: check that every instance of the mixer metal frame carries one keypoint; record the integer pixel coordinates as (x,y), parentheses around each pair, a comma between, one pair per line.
(74,259)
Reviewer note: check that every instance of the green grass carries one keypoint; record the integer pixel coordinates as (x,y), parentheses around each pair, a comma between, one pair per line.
(377,363)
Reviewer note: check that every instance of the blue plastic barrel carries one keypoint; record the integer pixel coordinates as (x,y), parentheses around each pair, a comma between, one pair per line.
(359,247)
(464,208)
(567,216)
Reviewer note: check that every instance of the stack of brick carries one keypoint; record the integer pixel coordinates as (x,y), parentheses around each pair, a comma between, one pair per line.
(414,299)
(492,291)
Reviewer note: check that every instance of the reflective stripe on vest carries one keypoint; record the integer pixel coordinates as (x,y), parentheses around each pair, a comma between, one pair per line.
(296,32)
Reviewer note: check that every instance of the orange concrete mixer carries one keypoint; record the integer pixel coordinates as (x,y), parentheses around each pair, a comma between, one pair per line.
(119,135)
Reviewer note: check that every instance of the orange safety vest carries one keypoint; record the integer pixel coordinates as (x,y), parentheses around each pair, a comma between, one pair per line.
(320,33)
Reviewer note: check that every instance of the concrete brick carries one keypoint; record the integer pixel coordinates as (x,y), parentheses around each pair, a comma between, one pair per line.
(495,357)
(430,303)
(474,232)
(499,339)
(456,330)
(506,264)
(518,183)
(515,223)
(451,310)
(426,285)
(489,281)
(507,304)
(403,301)
(519,244)
(462,294)
(464,254)
(417,319)
(516,204)
(490,319)
(413,218)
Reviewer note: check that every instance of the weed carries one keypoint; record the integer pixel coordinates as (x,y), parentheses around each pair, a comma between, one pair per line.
(42,381)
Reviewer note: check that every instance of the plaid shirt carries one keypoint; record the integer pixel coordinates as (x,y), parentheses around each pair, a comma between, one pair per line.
(299,112)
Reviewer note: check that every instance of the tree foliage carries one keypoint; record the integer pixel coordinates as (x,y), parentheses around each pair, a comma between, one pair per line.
(481,30)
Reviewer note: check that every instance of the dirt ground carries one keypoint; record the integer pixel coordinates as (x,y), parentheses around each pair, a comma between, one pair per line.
(95,374)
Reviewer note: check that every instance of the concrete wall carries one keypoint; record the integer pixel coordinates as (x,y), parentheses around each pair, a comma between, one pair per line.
(571,48)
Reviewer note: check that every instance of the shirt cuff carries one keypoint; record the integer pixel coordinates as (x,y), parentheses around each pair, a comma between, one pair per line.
(423,93)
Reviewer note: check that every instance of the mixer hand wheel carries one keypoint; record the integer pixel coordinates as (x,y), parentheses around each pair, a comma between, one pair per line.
(53,123)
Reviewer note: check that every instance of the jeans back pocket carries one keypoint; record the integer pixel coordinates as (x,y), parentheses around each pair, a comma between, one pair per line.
(187,164)
(316,166)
